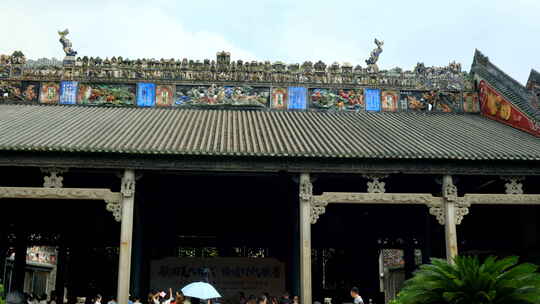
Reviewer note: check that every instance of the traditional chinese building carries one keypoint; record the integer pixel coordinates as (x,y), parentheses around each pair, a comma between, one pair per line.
(344,174)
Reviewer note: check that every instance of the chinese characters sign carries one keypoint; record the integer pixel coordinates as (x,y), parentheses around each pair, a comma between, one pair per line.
(146,94)
(228,275)
(297,98)
(373,99)
(68,92)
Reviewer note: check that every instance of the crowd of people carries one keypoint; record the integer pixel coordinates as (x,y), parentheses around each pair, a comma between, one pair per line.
(265,298)
(170,297)
(177,297)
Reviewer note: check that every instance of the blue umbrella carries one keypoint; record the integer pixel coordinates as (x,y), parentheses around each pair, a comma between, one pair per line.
(200,290)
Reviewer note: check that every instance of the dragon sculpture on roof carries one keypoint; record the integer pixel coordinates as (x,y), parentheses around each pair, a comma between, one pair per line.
(66,44)
(374,57)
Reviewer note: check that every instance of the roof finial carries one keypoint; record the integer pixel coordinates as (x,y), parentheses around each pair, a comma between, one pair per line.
(374,57)
(67,46)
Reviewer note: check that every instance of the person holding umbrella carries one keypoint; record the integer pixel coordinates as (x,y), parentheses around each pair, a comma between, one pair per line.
(200,290)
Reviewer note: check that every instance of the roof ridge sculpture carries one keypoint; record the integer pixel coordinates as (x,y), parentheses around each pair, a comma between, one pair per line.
(223,69)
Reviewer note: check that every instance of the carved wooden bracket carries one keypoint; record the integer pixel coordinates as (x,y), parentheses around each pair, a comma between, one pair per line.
(115,208)
(375,185)
(127,190)
(53,177)
(450,195)
(513,184)
(317,207)
(128,184)
(437,210)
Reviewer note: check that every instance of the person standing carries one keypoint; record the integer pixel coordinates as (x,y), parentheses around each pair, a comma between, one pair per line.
(356,296)
(98,299)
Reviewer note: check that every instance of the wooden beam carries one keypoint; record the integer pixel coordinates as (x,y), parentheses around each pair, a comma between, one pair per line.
(502,199)
(60,193)
(425,198)
(379,198)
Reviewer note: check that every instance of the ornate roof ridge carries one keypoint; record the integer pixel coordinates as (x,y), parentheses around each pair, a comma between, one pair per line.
(480,58)
(482,63)
(534,76)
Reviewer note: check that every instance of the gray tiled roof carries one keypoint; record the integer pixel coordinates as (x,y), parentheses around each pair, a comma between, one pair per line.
(262,133)
(534,76)
(514,91)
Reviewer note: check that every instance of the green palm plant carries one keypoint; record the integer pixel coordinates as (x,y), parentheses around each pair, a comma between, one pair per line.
(468,281)
(2,299)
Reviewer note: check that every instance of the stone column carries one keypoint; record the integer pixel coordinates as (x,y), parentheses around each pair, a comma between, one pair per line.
(61,263)
(126,235)
(306,192)
(450,195)
(137,252)
(19,268)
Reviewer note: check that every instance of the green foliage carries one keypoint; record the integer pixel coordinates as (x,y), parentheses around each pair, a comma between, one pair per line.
(468,281)
(2,298)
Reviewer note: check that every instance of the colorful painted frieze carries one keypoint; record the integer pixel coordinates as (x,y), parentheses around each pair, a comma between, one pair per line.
(414,100)
(322,98)
(390,101)
(68,92)
(373,99)
(146,94)
(446,101)
(106,94)
(4,71)
(341,99)
(470,102)
(50,92)
(279,98)
(297,98)
(165,95)
(350,99)
(11,91)
(30,91)
(213,95)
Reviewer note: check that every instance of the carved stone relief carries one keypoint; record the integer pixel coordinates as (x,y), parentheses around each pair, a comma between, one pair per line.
(513,184)
(53,177)
(375,185)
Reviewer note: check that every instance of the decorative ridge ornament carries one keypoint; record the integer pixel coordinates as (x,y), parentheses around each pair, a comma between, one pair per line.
(374,57)
(68,47)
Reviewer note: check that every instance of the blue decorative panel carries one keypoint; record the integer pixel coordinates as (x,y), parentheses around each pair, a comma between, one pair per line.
(146,94)
(373,99)
(297,98)
(68,92)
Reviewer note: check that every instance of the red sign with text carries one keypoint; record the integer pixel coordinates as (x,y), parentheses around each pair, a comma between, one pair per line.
(495,106)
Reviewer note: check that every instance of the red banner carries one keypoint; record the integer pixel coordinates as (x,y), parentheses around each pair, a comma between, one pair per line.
(495,106)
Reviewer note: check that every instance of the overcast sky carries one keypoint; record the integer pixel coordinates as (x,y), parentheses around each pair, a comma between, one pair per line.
(433,32)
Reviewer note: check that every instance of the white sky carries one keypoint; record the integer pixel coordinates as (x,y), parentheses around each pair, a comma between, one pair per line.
(433,32)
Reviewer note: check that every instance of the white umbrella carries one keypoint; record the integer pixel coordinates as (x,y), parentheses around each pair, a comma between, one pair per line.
(200,290)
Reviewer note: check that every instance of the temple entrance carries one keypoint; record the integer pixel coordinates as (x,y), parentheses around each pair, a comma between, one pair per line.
(239,227)
(366,250)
